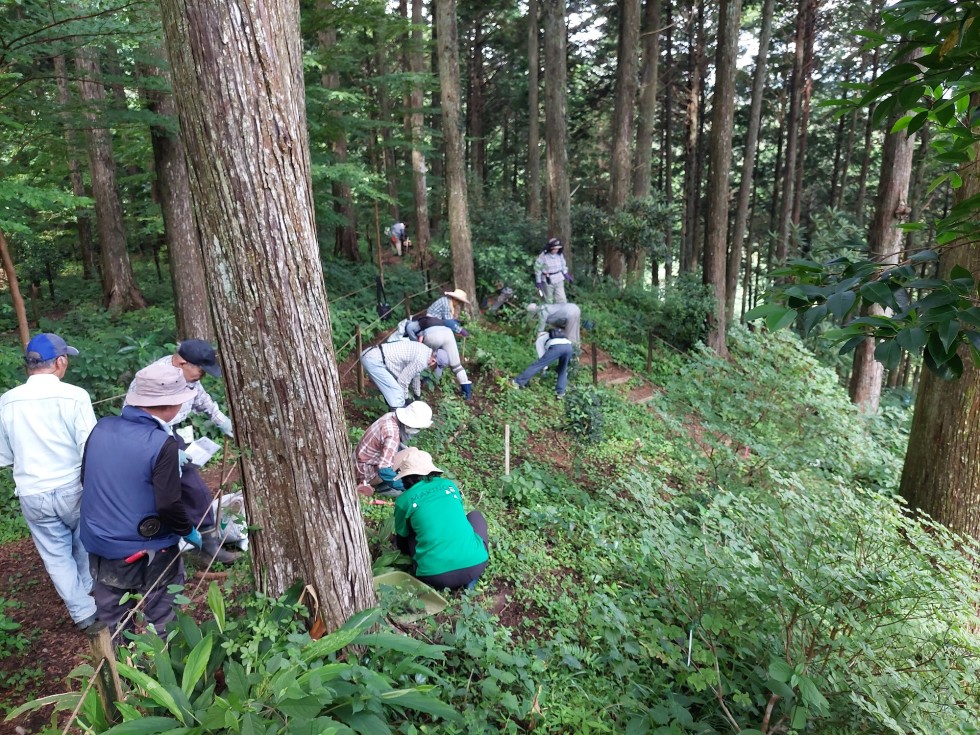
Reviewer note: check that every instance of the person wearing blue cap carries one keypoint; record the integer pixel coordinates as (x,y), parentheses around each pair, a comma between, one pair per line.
(44,425)
(194,359)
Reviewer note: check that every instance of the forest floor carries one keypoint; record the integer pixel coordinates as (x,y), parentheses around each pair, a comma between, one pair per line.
(50,647)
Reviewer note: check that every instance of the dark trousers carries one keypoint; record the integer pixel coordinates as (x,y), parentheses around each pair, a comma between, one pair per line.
(457,578)
(561,353)
(149,577)
(195,493)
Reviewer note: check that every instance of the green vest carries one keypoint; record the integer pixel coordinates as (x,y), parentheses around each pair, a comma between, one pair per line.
(445,540)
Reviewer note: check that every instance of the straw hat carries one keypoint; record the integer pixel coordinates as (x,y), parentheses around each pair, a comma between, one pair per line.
(413,461)
(458,294)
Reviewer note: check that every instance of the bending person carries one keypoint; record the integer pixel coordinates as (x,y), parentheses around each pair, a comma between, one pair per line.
(550,346)
(442,339)
(376,451)
(566,316)
(396,368)
(448,545)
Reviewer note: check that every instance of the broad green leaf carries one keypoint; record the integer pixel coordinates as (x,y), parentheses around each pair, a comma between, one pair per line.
(216,602)
(840,304)
(888,353)
(762,311)
(798,716)
(777,320)
(145,726)
(153,689)
(912,339)
(811,695)
(402,644)
(416,700)
(35,704)
(811,317)
(878,292)
(780,670)
(948,333)
(196,664)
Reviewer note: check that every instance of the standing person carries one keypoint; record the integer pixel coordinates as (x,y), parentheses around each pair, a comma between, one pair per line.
(397,234)
(383,439)
(396,367)
(448,546)
(442,339)
(44,425)
(195,358)
(133,512)
(568,316)
(550,346)
(449,305)
(551,272)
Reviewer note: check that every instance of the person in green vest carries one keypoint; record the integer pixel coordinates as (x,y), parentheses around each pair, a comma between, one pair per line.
(448,545)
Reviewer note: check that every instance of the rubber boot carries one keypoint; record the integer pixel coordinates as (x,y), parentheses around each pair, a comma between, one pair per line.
(211,547)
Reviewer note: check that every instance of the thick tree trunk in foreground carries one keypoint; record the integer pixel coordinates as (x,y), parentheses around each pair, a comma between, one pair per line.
(556,123)
(119,289)
(460,242)
(191,305)
(942,465)
(885,245)
(238,79)
(720,156)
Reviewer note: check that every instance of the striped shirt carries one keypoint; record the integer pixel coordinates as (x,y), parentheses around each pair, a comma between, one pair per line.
(405,360)
(441,308)
(377,447)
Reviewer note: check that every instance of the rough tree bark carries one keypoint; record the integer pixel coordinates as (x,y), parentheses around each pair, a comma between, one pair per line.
(191,305)
(239,85)
(119,289)
(460,242)
(416,60)
(885,245)
(556,124)
(476,112)
(624,107)
(646,118)
(692,163)
(720,156)
(792,137)
(533,116)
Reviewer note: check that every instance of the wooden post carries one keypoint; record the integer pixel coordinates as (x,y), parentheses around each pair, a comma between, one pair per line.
(506,450)
(15,297)
(595,364)
(107,680)
(377,231)
(649,351)
(408,305)
(360,367)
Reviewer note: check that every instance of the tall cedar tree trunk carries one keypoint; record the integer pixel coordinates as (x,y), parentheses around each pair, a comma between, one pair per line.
(191,305)
(345,232)
(646,118)
(624,107)
(449,83)
(745,186)
(645,124)
(238,79)
(838,201)
(668,168)
(416,60)
(917,187)
(792,137)
(475,114)
(556,123)
(533,116)
(389,166)
(720,156)
(83,219)
(692,179)
(859,202)
(942,464)
(119,289)
(809,32)
(885,246)
(438,212)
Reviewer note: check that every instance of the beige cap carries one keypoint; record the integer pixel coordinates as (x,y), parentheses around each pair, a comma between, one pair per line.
(458,294)
(413,461)
(159,385)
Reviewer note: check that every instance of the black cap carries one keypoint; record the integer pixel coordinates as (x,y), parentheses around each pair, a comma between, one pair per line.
(200,353)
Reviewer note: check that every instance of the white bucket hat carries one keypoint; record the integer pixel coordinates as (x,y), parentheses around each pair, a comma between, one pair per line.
(416,415)
(413,461)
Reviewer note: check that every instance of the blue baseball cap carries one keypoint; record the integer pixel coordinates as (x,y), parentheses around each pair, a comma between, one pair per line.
(200,353)
(46,347)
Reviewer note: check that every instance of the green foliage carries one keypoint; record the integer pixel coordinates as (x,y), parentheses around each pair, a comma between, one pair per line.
(505,244)
(641,226)
(583,414)
(12,523)
(264,674)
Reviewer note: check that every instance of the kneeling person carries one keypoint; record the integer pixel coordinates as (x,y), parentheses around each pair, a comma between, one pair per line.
(133,514)
(448,545)
(384,438)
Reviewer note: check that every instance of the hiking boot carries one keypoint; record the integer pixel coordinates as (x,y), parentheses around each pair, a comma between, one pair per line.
(212,547)
(91,620)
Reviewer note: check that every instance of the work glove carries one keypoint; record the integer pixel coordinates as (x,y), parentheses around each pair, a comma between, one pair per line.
(388,475)
(194,538)
(467,390)
(462,332)
(539,285)
(568,277)
(225,427)
(183,459)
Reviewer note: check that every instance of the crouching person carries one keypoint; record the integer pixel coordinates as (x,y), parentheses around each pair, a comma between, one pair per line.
(448,546)
(376,451)
(133,516)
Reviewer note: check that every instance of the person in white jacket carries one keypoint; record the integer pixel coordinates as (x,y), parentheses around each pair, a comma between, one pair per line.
(551,346)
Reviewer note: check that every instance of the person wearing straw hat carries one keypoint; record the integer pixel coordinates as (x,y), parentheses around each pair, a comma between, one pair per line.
(383,439)
(551,272)
(449,305)
(194,359)
(44,425)
(133,509)
(448,546)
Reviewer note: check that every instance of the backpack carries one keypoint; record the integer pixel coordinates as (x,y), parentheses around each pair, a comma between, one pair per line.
(556,333)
